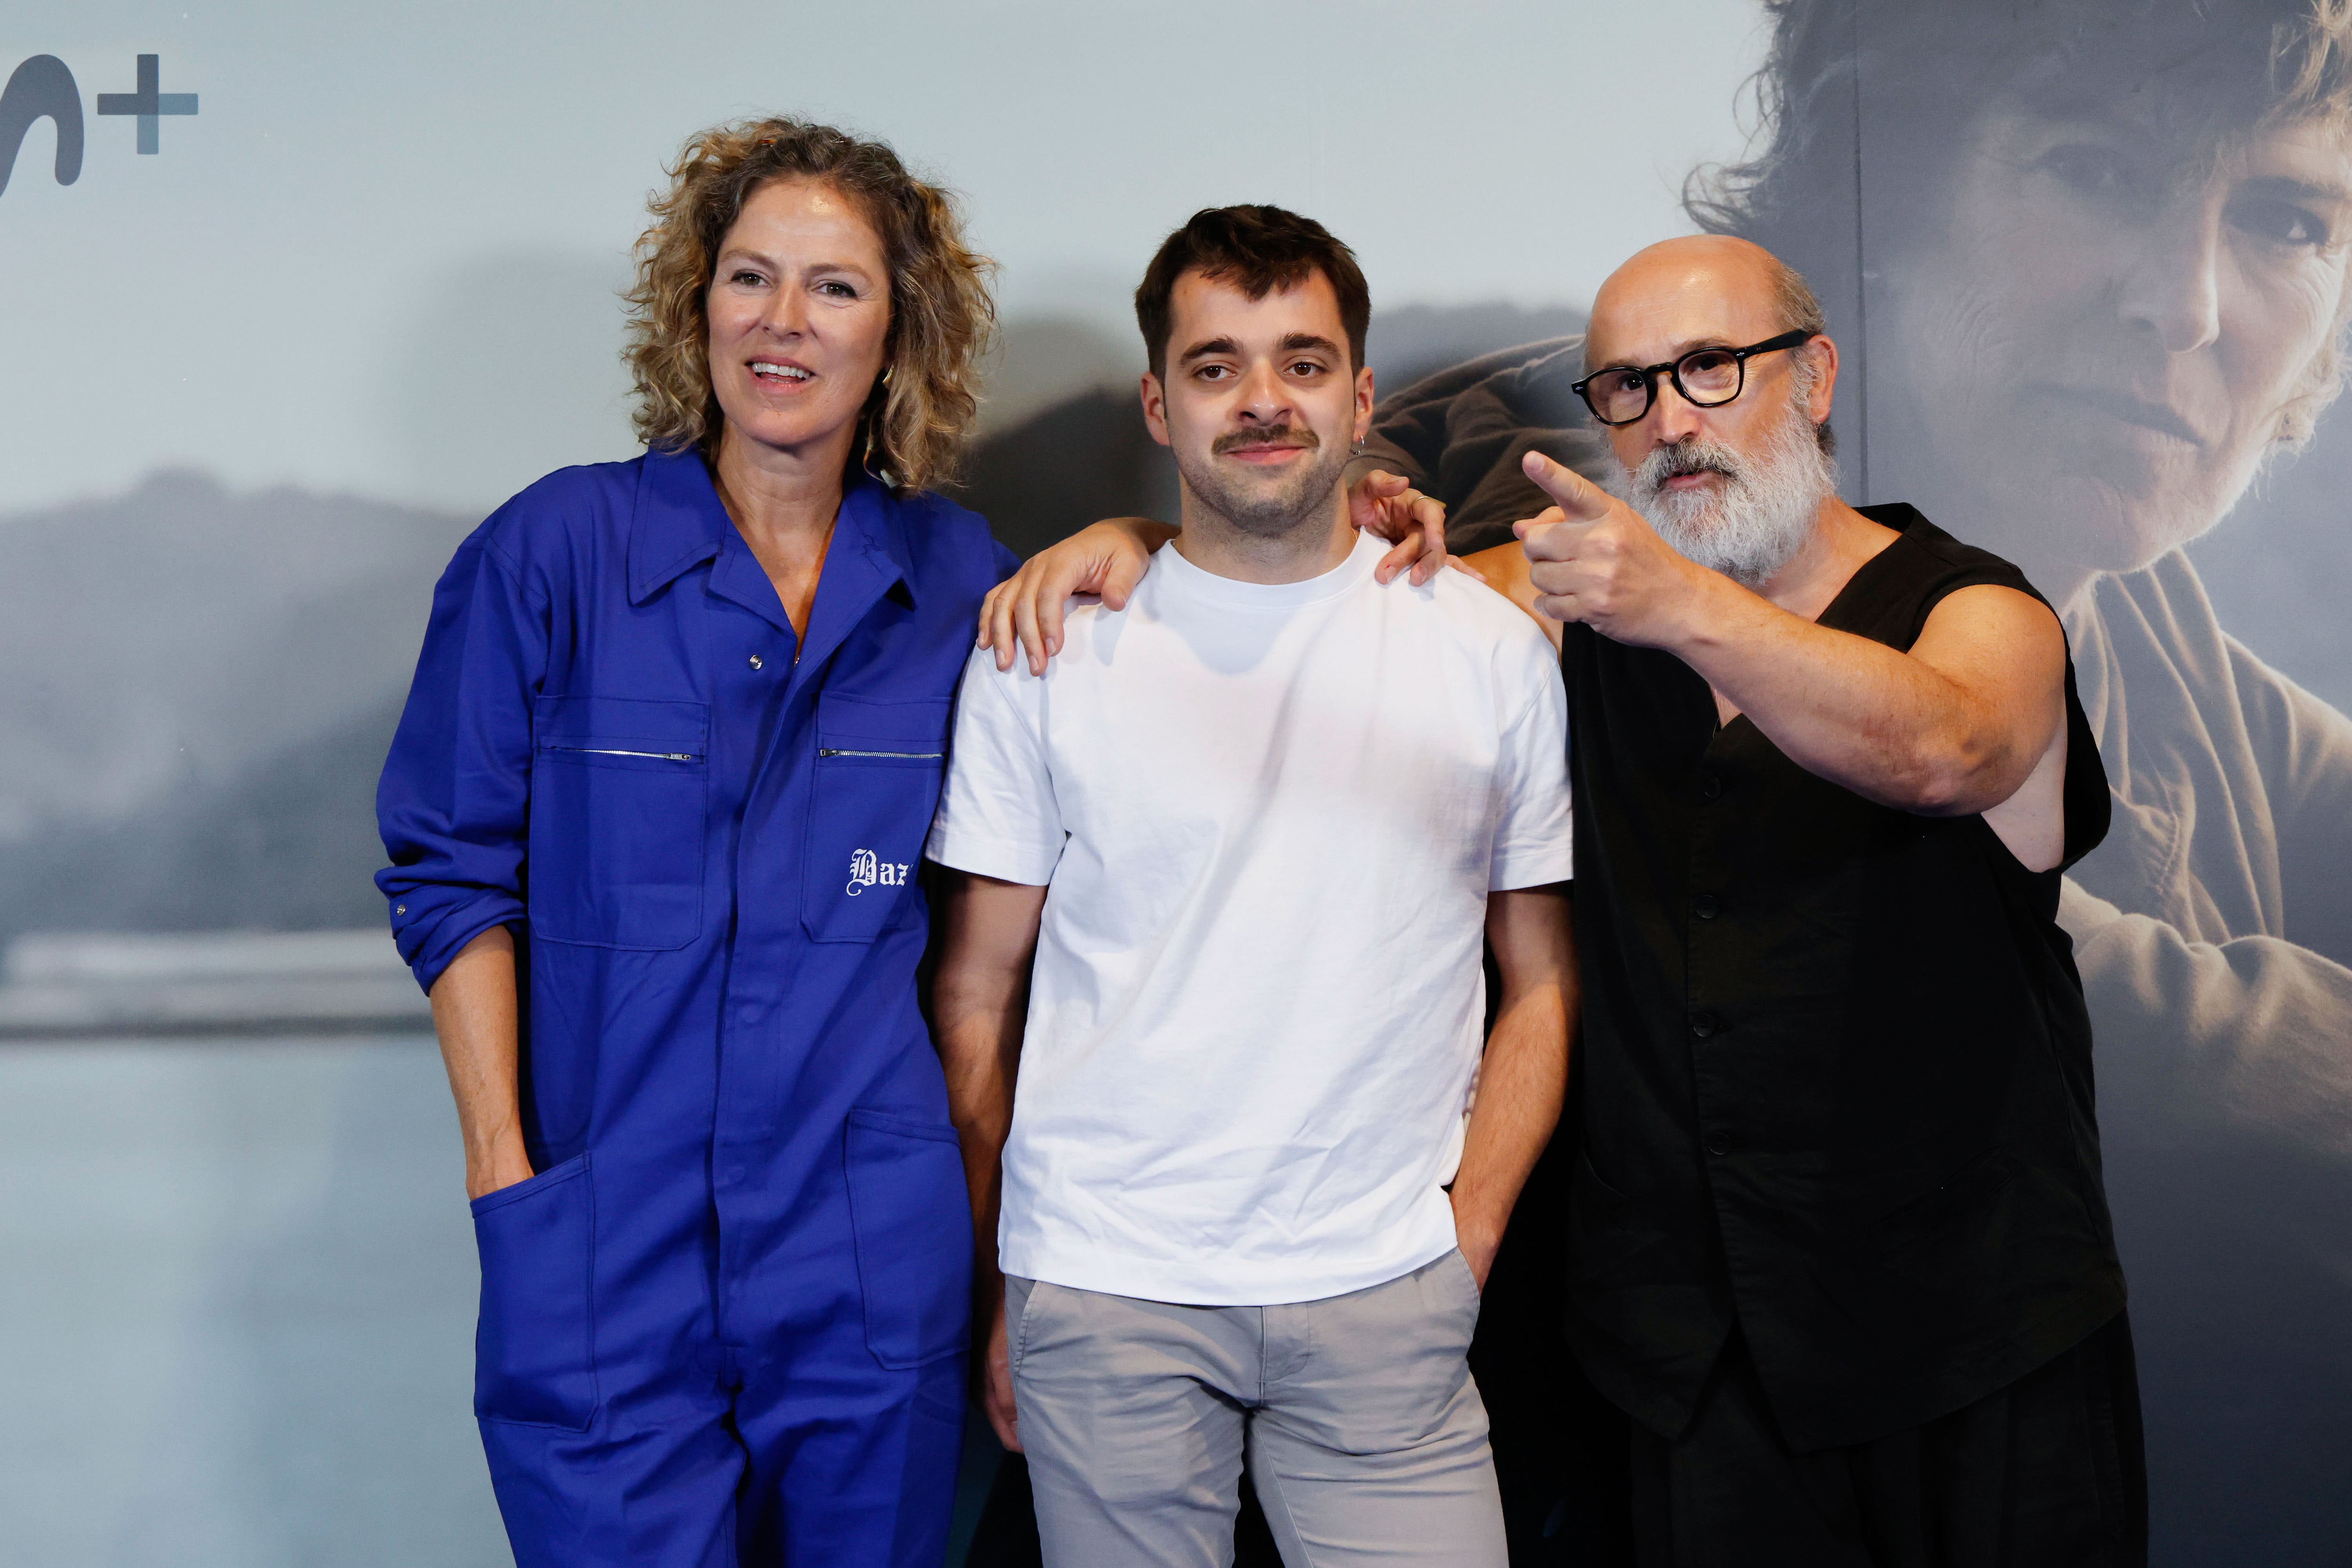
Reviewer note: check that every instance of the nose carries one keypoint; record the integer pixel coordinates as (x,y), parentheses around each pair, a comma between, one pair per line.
(2172,284)
(787,313)
(1672,416)
(1265,396)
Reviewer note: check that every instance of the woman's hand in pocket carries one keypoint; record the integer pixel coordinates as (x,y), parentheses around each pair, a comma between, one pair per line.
(503,1164)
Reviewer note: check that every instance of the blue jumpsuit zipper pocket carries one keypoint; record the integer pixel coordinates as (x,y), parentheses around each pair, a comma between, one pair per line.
(619,790)
(877,783)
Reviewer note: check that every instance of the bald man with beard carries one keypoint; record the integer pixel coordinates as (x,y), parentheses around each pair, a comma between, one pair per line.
(1838,1241)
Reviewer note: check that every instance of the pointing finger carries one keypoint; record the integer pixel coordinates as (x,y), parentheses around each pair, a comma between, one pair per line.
(1579,498)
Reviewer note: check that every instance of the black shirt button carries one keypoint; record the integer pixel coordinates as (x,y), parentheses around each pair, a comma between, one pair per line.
(1704,1024)
(1705,907)
(1719,1143)
(1710,787)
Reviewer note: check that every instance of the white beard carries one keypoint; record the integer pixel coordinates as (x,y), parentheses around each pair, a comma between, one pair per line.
(1756,521)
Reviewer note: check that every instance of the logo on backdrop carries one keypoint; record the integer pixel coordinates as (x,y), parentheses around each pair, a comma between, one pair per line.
(43,88)
(867,871)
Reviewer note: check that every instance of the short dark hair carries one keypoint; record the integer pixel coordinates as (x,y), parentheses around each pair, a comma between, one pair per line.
(1261,249)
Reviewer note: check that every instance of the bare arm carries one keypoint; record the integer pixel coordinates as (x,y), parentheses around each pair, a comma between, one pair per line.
(980,1002)
(1023,615)
(1953,726)
(474,1013)
(1525,1072)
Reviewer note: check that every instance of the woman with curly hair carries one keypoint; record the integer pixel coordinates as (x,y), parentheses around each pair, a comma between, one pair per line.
(653,813)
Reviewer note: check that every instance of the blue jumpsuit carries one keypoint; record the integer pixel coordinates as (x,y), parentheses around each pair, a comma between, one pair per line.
(724,1323)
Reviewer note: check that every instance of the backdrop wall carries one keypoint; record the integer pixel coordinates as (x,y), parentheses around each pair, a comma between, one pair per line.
(2081,256)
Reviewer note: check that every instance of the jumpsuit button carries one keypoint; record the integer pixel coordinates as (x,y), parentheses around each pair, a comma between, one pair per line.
(1710,788)
(1705,1023)
(755,661)
(1705,907)
(1721,1143)
(400,909)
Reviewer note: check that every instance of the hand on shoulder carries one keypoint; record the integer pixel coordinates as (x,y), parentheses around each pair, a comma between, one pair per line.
(1023,614)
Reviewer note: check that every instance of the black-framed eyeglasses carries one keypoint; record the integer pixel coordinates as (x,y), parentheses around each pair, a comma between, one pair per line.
(1707,378)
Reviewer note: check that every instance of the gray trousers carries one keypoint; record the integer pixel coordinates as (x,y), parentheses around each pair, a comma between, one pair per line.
(1363,1430)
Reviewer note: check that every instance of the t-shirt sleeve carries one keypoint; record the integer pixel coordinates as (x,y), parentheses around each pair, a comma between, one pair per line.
(997,816)
(1531,843)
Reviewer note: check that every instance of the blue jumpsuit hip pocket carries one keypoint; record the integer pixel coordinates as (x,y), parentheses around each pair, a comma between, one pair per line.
(879,769)
(619,789)
(910,1215)
(534,1346)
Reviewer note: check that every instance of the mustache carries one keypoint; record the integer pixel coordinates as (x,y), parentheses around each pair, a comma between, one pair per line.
(1299,435)
(1688,456)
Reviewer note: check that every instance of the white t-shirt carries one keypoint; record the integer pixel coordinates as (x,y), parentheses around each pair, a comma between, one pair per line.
(1269,817)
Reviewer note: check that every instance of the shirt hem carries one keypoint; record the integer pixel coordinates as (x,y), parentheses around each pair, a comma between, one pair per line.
(993,857)
(1142,1283)
(1530,872)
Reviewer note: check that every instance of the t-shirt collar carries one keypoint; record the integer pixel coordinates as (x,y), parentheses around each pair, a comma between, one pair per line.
(1183,578)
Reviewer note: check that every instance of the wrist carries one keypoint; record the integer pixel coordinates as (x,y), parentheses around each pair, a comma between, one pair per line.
(494,1163)
(1474,1231)
(490,1145)
(1697,624)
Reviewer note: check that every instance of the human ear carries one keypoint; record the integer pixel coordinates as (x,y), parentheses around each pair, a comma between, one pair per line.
(1155,408)
(1825,362)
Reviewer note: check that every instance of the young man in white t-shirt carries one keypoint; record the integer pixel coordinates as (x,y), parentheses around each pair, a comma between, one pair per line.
(1251,828)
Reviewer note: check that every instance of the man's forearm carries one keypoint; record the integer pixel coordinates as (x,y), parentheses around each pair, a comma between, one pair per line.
(979,1000)
(477,1019)
(980,1049)
(1520,1085)
(1523,1076)
(1886,724)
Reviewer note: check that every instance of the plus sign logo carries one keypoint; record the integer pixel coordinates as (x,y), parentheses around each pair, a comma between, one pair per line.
(149,102)
(43,88)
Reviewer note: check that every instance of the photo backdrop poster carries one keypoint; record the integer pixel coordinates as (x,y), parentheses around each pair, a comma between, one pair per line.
(298,294)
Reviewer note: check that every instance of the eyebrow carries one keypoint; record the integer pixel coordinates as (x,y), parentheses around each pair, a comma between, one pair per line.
(2287,186)
(1691,345)
(745,253)
(1293,342)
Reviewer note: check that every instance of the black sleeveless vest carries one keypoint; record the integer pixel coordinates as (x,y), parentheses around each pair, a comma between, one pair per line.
(1837,1067)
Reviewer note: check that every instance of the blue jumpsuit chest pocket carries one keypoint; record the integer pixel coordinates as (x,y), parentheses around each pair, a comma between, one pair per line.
(878,767)
(618,791)
(534,1346)
(910,1211)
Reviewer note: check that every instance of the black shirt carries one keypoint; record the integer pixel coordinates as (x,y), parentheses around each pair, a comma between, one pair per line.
(1836,1064)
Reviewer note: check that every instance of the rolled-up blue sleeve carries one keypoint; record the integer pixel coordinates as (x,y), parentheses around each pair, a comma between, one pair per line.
(452,805)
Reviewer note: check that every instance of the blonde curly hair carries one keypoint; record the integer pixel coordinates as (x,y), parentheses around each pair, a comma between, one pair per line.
(911,432)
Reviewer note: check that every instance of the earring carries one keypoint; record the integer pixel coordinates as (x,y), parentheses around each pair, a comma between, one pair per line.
(885,373)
